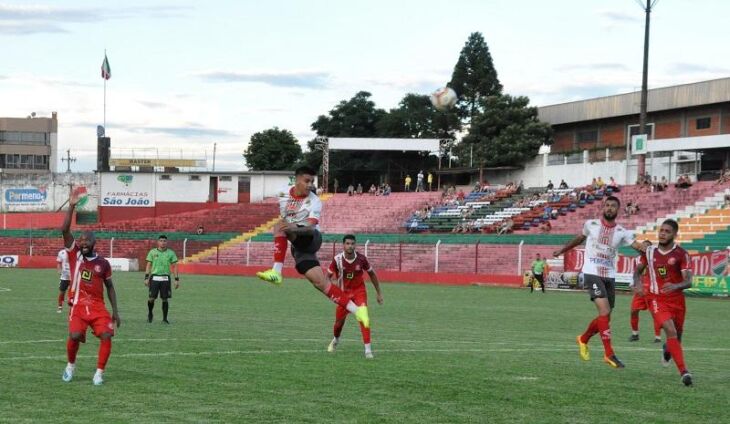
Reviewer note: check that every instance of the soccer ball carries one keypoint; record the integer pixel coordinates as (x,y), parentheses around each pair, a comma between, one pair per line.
(444,98)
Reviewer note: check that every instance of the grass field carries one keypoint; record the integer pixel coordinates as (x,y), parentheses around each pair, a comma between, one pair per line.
(242,351)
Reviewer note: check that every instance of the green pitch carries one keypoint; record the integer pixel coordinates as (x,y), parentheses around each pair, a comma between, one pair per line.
(239,350)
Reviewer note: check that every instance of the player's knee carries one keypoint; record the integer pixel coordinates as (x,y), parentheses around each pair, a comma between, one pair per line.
(75,336)
(105,336)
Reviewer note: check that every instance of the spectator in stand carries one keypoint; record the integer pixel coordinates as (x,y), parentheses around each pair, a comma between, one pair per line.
(550,185)
(350,190)
(683,182)
(506,226)
(477,187)
(546,227)
(594,184)
(419,181)
(359,189)
(629,208)
(200,230)
(460,195)
(563,184)
(613,185)
(337,186)
(372,190)
(451,191)
(430,181)
(386,190)
(724,176)
(664,183)
(600,182)
(407,183)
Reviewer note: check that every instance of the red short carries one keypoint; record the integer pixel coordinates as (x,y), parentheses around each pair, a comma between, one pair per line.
(665,308)
(96,317)
(358,297)
(639,303)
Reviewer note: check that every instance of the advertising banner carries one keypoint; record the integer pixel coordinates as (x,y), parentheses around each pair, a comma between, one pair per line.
(127,190)
(8,261)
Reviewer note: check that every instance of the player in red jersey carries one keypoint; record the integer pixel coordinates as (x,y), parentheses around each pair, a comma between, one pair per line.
(641,303)
(669,274)
(346,271)
(90,273)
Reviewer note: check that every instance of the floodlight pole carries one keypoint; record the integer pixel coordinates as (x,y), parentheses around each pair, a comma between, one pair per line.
(644,82)
(322,143)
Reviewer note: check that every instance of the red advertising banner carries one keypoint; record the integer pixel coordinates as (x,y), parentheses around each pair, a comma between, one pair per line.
(706,264)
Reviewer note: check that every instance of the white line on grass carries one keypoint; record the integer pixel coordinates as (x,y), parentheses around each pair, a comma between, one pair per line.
(4,289)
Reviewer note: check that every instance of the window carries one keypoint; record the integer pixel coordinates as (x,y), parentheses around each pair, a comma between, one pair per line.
(226,178)
(703,123)
(587,136)
(26,161)
(40,162)
(165,177)
(634,130)
(195,178)
(17,137)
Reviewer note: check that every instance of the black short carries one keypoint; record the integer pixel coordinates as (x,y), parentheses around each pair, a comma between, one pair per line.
(304,250)
(160,285)
(539,277)
(600,287)
(63,285)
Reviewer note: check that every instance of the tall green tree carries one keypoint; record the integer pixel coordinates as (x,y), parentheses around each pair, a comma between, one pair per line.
(415,117)
(474,76)
(507,131)
(273,149)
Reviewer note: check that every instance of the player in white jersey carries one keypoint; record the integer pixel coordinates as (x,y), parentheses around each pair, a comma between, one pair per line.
(64,272)
(603,238)
(300,213)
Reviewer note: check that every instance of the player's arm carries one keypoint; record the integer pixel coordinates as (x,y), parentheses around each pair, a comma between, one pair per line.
(113,300)
(638,286)
(376,284)
(68,238)
(577,241)
(304,228)
(59,267)
(640,246)
(147,272)
(686,283)
(177,274)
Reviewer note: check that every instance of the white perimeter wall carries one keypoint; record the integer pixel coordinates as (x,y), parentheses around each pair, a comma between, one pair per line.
(55,187)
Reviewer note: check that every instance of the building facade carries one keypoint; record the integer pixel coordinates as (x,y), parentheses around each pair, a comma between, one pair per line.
(28,145)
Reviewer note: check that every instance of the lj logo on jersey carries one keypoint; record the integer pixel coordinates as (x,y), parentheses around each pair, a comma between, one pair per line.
(350,275)
(662,271)
(86,275)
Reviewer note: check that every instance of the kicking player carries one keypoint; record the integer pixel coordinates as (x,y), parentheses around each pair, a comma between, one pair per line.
(347,269)
(670,273)
(64,273)
(160,262)
(90,273)
(641,303)
(300,212)
(603,237)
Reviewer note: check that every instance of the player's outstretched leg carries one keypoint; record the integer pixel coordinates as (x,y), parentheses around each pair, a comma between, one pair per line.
(340,316)
(60,302)
(281,243)
(317,278)
(105,350)
(604,328)
(72,348)
(634,326)
(366,341)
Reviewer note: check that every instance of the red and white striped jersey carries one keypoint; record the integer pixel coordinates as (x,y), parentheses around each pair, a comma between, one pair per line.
(295,210)
(602,242)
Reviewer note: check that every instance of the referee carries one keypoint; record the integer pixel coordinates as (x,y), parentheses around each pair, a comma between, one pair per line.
(157,276)
(538,273)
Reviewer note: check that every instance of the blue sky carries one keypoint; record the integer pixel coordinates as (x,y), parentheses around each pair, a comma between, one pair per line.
(189,74)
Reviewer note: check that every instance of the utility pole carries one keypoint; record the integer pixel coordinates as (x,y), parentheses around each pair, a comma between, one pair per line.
(214,148)
(68,159)
(644,81)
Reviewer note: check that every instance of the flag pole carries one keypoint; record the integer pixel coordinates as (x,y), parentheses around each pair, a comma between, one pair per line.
(105,95)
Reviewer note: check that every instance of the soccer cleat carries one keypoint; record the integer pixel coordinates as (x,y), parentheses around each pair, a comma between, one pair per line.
(583,349)
(149,317)
(332,347)
(634,338)
(613,361)
(369,355)
(666,356)
(60,309)
(98,379)
(164,321)
(68,373)
(657,339)
(362,315)
(687,378)
(270,276)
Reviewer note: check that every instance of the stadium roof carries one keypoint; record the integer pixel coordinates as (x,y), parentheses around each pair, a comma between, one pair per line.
(665,98)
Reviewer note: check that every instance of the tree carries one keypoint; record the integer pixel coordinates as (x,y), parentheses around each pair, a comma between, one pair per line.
(474,76)
(273,150)
(416,117)
(506,132)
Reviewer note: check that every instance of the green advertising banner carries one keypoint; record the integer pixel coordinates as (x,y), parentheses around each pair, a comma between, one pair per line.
(715,286)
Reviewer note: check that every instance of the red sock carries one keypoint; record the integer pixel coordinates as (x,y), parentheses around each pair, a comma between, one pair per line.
(337,295)
(590,331)
(602,323)
(60,298)
(280,245)
(105,349)
(658,330)
(72,348)
(365,334)
(675,348)
(635,320)
(338,327)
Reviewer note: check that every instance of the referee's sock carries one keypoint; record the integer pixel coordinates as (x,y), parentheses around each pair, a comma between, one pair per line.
(150,307)
(165,308)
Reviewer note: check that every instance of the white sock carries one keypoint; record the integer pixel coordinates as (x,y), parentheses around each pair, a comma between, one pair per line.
(367,348)
(635,333)
(351,307)
(278,266)
(70,365)
(336,340)
(99,371)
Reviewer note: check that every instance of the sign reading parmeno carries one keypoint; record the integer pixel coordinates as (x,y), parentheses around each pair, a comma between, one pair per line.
(127,190)
(26,196)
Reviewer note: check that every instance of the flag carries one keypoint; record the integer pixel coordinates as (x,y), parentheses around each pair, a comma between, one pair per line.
(106,71)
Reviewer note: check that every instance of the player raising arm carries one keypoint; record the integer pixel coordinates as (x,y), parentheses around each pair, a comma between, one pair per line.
(90,273)
(603,237)
(669,271)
